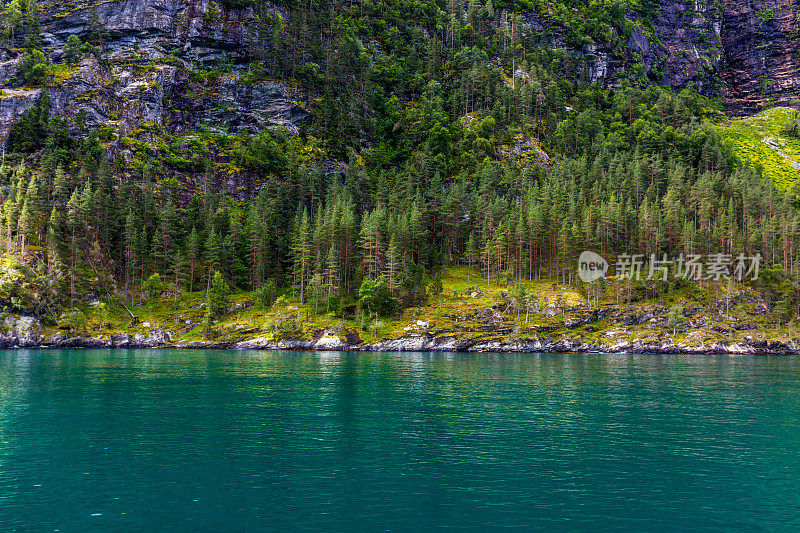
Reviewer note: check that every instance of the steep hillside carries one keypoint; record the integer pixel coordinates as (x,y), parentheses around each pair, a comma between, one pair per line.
(167,69)
(350,153)
(155,55)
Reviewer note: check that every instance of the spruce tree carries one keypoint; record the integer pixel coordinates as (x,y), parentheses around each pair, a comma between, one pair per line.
(216,300)
(178,269)
(301,252)
(393,267)
(213,255)
(192,255)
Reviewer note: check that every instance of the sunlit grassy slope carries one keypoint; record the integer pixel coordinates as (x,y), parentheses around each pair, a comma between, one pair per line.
(758,139)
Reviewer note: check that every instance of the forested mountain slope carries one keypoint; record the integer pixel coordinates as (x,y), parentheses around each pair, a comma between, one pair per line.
(348,152)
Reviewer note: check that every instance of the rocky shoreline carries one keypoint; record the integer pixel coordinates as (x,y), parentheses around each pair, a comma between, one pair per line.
(27,332)
(162,340)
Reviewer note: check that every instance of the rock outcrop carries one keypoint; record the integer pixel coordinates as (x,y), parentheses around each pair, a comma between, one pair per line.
(762,61)
(154,49)
(741,50)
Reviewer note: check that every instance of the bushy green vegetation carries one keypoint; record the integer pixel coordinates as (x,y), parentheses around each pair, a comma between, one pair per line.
(31,128)
(20,18)
(792,127)
(34,68)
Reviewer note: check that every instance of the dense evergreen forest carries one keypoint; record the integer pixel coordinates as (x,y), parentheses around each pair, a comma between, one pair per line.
(465,142)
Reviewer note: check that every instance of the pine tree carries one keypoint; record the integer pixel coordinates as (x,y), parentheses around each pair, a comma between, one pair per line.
(301,252)
(25,226)
(472,254)
(60,184)
(131,238)
(178,271)
(165,242)
(192,252)
(258,244)
(13,19)
(33,30)
(213,255)
(28,215)
(54,235)
(141,257)
(73,219)
(316,286)
(372,242)
(332,272)
(393,267)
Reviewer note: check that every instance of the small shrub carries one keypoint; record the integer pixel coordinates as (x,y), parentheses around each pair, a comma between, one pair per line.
(153,286)
(101,310)
(375,298)
(285,328)
(266,294)
(217,297)
(791,128)
(75,320)
(435,287)
(34,69)
(217,303)
(73,50)
(677,320)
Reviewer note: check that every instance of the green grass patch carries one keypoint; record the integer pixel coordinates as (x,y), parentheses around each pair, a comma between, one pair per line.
(61,72)
(757,139)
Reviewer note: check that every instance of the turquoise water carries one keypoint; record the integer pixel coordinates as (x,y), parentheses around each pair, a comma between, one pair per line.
(138,440)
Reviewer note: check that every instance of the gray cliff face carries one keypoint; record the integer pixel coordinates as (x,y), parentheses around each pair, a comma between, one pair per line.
(688,47)
(743,50)
(24,331)
(762,59)
(152,47)
(683,45)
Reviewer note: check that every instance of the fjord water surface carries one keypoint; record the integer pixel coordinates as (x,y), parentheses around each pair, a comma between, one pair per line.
(147,440)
